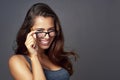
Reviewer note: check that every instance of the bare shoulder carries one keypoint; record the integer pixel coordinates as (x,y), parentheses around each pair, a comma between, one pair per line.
(15,62)
(18,67)
(16,59)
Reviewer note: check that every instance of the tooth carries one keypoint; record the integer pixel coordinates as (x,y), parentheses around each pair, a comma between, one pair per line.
(44,42)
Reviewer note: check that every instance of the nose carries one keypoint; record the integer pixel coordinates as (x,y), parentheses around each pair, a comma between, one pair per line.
(47,36)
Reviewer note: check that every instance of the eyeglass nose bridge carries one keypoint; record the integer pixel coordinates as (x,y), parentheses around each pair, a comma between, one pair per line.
(47,33)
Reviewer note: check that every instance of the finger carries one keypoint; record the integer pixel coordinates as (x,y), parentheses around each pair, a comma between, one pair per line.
(30,41)
(31,33)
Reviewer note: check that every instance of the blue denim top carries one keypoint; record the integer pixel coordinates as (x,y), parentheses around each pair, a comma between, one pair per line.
(61,74)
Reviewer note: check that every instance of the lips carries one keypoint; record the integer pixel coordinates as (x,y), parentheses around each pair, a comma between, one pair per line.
(44,42)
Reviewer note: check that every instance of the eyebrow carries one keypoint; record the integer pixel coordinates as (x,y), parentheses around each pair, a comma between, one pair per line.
(40,29)
(51,28)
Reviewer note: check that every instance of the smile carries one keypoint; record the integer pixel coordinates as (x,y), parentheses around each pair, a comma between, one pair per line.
(44,42)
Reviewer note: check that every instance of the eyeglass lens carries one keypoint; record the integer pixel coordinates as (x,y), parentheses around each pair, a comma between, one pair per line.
(43,34)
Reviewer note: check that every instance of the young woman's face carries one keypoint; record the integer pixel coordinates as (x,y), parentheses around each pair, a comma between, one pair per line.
(45,31)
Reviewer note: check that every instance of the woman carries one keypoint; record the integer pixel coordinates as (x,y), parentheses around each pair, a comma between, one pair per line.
(39,54)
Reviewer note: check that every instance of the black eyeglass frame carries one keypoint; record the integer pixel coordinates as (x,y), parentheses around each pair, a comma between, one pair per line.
(48,32)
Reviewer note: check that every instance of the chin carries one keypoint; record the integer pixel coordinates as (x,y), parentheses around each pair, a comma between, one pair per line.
(44,47)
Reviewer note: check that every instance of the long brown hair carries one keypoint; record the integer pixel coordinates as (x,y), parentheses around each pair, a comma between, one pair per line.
(56,51)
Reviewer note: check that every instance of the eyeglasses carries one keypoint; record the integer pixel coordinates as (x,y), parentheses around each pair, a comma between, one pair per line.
(43,34)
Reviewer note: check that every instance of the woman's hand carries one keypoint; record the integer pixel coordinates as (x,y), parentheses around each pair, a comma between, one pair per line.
(31,43)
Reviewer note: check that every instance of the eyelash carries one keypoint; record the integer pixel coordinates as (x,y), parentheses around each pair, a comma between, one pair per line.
(40,30)
(51,30)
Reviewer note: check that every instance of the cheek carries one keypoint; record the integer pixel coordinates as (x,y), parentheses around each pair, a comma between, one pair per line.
(52,39)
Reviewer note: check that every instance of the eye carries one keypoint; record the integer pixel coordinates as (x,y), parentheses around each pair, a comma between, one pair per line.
(40,30)
(51,30)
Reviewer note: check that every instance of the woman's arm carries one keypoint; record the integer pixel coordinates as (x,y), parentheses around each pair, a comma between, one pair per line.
(20,70)
(34,50)
(37,69)
(18,67)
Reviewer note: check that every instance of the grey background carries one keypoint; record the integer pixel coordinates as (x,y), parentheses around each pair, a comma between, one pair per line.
(91,28)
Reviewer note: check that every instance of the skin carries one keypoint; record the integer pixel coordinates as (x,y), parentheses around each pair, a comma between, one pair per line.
(20,68)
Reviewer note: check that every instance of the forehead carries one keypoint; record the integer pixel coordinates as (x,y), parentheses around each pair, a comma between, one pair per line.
(43,22)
